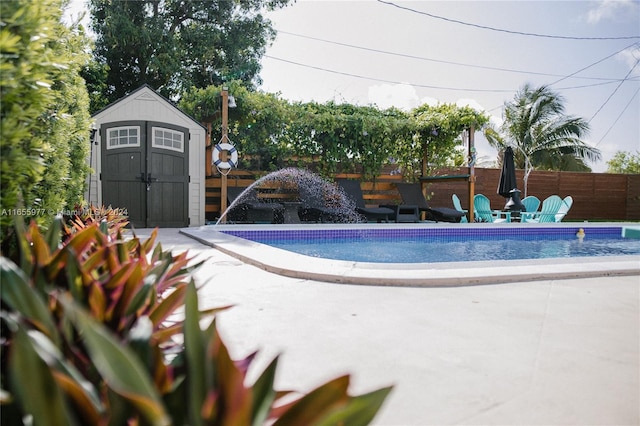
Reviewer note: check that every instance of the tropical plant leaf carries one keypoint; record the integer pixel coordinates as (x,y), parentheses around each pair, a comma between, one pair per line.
(195,357)
(359,411)
(235,398)
(317,404)
(34,384)
(144,297)
(68,378)
(264,394)
(25,300)
(119,366)
(167,306)
(54,234)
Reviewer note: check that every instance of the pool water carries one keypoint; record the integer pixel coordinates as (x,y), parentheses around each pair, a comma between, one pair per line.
(418,246)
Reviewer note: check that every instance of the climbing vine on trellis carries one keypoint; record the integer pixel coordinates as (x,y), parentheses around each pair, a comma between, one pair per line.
(269,131)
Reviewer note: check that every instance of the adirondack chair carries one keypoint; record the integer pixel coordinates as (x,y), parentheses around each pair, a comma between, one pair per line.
(547,214)
(567,202)
(484,213)
(458,206)
(531,203)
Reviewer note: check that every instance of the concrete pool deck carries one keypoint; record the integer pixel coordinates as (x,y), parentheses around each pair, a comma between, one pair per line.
(540,352)
(442,274)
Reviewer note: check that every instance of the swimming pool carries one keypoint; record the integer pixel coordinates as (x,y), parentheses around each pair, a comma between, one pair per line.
(446,245)
(233,241)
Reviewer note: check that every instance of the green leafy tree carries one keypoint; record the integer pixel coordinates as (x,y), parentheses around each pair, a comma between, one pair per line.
(44,137)
(173,45)
(536,124)
(624,162)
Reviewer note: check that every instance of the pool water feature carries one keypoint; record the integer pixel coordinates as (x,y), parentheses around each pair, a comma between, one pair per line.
(313,192)
(425,273)
(447,245)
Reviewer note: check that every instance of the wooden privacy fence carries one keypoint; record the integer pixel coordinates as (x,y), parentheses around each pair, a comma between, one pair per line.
(596,196)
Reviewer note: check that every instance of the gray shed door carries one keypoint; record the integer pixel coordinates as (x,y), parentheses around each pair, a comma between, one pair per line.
(145,171)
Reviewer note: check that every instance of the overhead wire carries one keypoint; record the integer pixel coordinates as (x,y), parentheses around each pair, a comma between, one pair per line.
(485,27)
(572,75)
(459,89)
(422,58)
(614,91)
(595,63)
(382,80)
(618,118)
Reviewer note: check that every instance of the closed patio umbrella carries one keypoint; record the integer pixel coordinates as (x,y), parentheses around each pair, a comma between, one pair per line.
(507,186)
(508,174)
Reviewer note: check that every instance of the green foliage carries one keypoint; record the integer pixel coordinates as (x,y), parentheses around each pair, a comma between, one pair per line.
(91,326)
(44,137)
(536,124)
(624,162)
(174,45)
(436,137)
(269,132)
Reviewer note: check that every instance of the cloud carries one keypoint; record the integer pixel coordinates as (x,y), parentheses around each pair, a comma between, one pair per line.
(494,119)
(401,96)
(609,9)
(630,57)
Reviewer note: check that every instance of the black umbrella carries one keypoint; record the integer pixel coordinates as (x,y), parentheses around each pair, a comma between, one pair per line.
(508,174)
(508,187)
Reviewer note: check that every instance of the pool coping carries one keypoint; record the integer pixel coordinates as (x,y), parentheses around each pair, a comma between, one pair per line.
(441,274)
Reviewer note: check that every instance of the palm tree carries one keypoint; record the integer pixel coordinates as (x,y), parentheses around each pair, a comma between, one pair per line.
(537,128)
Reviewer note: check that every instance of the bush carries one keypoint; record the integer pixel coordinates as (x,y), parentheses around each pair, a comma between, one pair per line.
(88,340)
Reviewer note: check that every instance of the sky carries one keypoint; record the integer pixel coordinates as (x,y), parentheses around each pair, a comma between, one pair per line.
(477,53)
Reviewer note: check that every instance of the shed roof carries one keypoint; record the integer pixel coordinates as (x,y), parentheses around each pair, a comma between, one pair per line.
(145,92)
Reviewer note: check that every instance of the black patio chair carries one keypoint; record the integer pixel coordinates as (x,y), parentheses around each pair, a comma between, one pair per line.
(250,209)
(315,208)
(411,193)
(352,190)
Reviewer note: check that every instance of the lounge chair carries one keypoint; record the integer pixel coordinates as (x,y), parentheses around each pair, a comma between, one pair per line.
(251,209)
(484,213)
(567,202)
(411,194)
(550,207)
(315,207)
(531,203)
(458,206)
(352,190)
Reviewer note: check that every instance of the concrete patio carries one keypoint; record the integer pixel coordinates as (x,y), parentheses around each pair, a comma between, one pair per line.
(537,353)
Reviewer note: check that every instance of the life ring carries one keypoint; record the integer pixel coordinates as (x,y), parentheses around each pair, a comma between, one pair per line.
(232,152)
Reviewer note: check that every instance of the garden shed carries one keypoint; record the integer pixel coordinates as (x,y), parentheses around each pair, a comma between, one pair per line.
(147,158)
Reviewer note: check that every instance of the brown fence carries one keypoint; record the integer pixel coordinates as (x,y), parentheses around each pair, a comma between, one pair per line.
(596,196)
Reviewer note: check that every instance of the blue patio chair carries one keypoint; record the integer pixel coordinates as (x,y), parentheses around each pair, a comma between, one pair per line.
(484,213)
(458,206)
(547,214)
(531,203)
(567,202)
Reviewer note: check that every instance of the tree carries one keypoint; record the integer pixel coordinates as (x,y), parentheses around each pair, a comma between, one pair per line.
(174,45)
(624,162)
(536,125)
(44,132)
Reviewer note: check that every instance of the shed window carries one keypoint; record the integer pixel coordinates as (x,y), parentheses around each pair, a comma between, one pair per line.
(122,137)
(168,139)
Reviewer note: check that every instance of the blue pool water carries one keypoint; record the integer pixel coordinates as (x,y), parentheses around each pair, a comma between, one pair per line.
(418,245)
